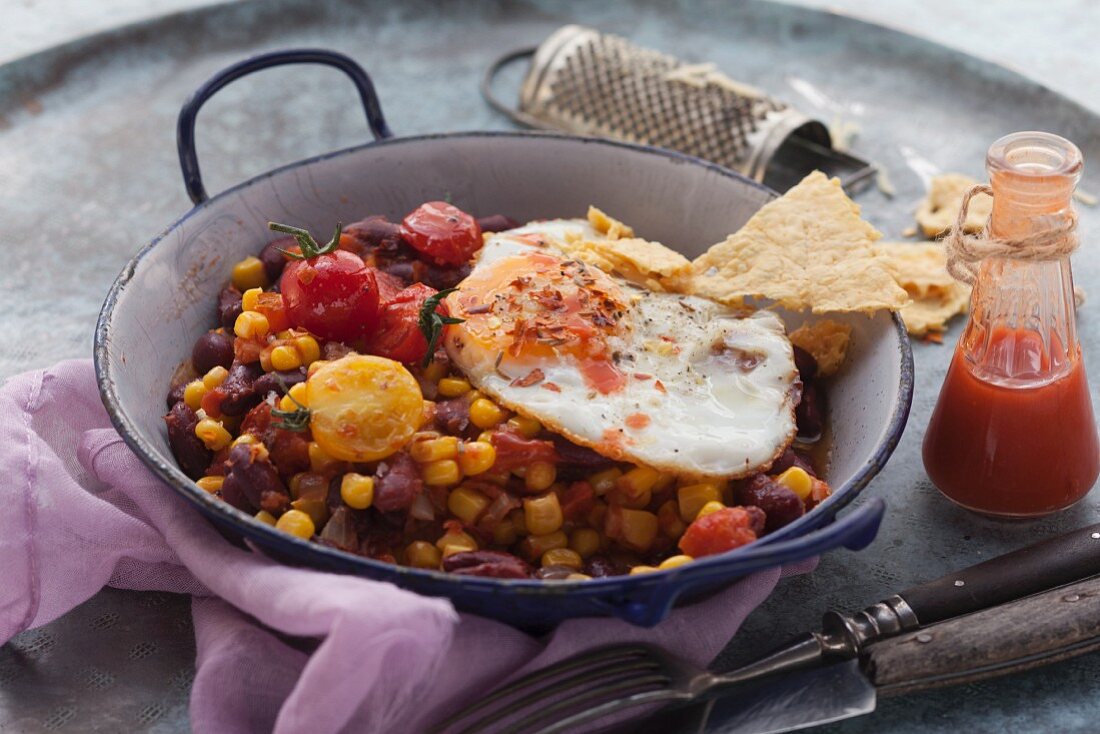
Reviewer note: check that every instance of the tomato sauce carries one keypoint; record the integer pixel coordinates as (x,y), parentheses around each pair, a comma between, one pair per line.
(1010,451)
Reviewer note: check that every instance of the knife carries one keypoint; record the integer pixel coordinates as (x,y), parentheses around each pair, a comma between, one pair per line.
(1040,629)
(1045,565)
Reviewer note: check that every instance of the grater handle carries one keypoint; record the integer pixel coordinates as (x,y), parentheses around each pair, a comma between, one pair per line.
(487,81)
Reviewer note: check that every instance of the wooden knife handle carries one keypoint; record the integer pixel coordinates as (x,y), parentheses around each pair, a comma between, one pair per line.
(1053,562)
(1023,634)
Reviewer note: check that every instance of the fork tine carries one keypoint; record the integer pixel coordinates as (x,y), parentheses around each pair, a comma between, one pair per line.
(638,669)
(531,723)
(595,657)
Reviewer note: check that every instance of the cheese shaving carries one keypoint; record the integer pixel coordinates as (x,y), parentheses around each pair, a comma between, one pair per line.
(648,264)
(921,269)
(809,249)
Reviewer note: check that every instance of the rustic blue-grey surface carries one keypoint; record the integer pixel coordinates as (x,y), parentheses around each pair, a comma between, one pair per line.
(88,174)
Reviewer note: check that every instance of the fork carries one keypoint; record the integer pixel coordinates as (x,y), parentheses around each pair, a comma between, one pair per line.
(595,684)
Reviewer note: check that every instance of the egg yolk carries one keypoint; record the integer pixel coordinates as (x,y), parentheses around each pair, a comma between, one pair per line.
(535,307)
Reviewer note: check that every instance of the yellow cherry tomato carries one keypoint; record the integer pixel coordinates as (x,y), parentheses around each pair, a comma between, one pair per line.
(363,408)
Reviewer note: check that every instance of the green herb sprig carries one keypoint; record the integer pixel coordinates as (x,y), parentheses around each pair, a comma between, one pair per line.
(309,246)
(296,420)
(432,323)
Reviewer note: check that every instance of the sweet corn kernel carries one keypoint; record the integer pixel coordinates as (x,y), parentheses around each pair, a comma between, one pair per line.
(441,473)
(244,438)
(212,434)
(296,523)
(192,394)
(434,449)
(505,533)
(319,459)
(578,577)
(266,518)
(620,497)
(669,520)
(692,498)
(452,387)
(524,426)
(210,484)
(284,334)
(638,481)
(798,481)
(427,413)
(562,557)
(542,514)
(456,542)
(285,358)
(540,475)
(422,554)
(249,273)
(434,372)
(467,504)
(265,360)
(585,541)
(308,349)
(476,457)
(215,377)
(486,436)
(709,508)
(296,396)
(533,546)
(604,481)
(484,413)
(357,491)
(316,507)
(639,529)
(315,365)
(251,298)
(251,325)
(675,562)
(642,569)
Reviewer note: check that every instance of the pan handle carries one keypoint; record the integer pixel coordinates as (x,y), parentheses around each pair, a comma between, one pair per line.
(185,126)
(653,602)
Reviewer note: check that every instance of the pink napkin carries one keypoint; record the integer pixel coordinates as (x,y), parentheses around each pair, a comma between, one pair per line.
(83,512)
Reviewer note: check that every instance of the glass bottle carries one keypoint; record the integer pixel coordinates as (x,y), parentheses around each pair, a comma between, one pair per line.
(1013,432)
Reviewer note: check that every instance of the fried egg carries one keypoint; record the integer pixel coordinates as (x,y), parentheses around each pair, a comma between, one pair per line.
(679,383)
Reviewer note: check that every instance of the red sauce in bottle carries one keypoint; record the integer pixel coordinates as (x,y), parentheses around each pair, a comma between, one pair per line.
(1012,451)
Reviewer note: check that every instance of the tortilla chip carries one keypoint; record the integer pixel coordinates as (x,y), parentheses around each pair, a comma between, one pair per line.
(808,249)
(921,269)
(648,264)
(610,227)
(826,340)
(940,208)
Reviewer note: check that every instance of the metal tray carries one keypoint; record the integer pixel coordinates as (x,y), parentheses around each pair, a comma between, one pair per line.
(90,172)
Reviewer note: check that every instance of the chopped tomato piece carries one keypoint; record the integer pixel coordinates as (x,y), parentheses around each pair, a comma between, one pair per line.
(718,532)
(578,500)
(514,450)
(399,336)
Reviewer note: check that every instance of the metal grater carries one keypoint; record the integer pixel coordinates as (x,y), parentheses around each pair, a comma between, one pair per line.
(590,83)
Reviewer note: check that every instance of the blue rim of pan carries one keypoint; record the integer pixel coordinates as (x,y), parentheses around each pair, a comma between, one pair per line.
(317,554)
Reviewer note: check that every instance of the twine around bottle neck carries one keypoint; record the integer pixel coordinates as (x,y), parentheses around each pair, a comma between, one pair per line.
(965,252)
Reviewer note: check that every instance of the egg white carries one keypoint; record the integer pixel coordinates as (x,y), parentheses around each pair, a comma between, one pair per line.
(717,389)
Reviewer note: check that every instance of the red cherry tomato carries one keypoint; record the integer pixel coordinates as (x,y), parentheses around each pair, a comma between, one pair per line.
(334,296)
(398,336)
(445,234)
(718,532)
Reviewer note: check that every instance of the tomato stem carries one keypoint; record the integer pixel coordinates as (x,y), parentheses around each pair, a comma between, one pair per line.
(309,246)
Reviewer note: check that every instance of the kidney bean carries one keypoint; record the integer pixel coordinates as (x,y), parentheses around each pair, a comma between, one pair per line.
(577,457)
(275,381)
(175,394)
(453,415)
(404,270)
(376,231)
(335,350)
(599,566)
(790,458)
(496,223)
(190,452)
(806,364)
(494,564)
(251,482)
(397,483)
(340,531)
(274,261)
(810,413)
(239,389)
(212,350)
(757,519)
(229,307)
(443,278)
(781,506)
